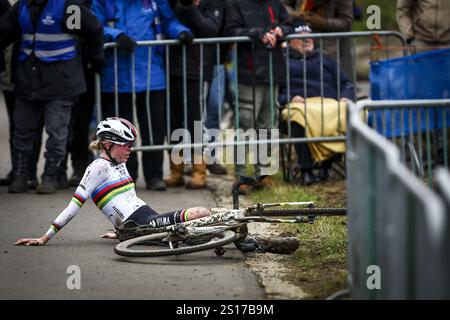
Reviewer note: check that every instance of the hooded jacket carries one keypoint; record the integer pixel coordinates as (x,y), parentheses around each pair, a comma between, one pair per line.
(136,19)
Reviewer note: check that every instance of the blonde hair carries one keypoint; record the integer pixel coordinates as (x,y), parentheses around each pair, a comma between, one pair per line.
(96,145)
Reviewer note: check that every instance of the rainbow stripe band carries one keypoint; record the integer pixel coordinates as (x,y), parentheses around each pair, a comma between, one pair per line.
(109,191)
(78,199)
(55,227)
(184,215)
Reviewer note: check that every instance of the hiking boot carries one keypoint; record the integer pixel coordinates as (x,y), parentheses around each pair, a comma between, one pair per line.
(198,180)
(19,178)
(32,181)
(176,175)
(244,189)
(217,168)
(50,182)
(264,183)
(156,184)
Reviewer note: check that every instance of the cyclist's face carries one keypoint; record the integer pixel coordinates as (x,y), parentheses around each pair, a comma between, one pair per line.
(121,153)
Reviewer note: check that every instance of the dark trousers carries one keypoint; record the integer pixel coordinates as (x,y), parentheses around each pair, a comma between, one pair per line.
(78,147)
(10,107)
(28,118)
(152,161)
(304,157)
(177,119)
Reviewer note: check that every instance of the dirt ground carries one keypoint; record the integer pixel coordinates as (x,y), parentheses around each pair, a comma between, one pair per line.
(281,275)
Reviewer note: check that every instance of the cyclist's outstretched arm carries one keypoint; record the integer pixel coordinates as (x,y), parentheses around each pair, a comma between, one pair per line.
(87,185)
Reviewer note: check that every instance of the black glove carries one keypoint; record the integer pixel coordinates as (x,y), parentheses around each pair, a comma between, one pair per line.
(256,34)
(186,2)
(125,44)
(98,64)
(185,37)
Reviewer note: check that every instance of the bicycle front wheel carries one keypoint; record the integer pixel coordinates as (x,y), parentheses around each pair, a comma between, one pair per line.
(155,245)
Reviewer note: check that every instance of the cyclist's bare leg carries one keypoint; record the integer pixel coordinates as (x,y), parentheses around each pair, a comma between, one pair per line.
(200,212)
(197,213)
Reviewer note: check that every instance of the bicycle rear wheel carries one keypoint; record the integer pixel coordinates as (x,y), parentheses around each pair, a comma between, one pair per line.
(304,211)
(157,246)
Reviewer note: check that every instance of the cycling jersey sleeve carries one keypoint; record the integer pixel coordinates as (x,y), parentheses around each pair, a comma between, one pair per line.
(94,175)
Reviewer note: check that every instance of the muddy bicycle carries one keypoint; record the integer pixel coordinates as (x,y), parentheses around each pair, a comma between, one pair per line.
(222,227)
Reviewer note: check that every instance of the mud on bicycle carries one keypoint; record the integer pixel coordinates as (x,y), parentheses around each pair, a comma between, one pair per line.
(224,226)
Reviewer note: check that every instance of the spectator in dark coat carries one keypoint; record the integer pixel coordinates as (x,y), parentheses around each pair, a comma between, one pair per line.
(265,22)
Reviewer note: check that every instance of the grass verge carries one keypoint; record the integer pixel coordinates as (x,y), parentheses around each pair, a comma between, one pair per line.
(319,265)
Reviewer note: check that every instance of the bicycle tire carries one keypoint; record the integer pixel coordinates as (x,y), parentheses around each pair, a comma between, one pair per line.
(124,248)
(303,211)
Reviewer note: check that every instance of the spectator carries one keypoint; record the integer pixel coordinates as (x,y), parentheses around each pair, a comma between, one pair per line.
(80,120)
(131,21)
(301,49)
(265,22)
(328,16)
(48,81)
(216,99)
(424,24)
(204,18)
(7,86)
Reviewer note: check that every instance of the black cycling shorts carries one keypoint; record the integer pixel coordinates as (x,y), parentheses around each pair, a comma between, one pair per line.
(146,215)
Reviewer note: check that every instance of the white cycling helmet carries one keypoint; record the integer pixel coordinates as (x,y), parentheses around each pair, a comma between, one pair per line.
(116,130)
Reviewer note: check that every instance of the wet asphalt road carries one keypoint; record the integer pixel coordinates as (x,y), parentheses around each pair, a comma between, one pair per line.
(49,272)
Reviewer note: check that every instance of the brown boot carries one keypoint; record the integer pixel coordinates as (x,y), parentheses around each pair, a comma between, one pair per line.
(266,182)
(176,175)
(198,180)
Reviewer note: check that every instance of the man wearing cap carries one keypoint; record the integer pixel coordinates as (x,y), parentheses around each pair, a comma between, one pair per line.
(303,49)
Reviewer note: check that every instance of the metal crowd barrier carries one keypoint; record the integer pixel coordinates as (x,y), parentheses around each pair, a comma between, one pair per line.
(398,228)
(420,129)
(234,41)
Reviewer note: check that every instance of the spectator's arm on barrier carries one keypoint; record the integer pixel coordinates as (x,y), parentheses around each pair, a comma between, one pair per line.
(172,27)
(233,25)
(99,10)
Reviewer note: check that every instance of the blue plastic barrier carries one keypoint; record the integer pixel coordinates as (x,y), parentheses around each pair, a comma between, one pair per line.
(421,76)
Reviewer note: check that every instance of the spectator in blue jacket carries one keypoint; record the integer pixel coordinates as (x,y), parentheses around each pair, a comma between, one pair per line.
(333,76)
(125,22)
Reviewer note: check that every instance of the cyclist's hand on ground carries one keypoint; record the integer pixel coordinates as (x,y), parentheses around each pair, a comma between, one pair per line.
(298,99)
(109,235)
(32,241)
